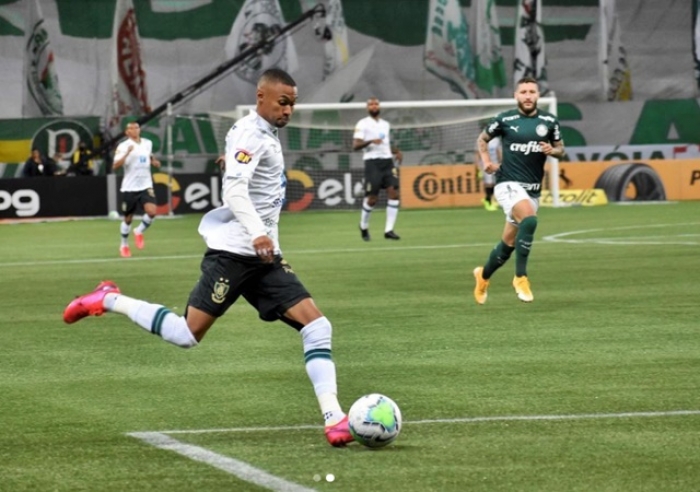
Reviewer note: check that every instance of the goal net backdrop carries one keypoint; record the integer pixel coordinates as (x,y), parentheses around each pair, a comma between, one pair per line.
(318,138)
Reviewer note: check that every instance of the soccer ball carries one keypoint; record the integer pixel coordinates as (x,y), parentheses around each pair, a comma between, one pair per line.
(374,420)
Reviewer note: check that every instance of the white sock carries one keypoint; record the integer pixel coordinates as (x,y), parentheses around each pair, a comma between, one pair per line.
(316,337)
(124,230)
(392,211)
(153,318)
(366,212)
(146,222)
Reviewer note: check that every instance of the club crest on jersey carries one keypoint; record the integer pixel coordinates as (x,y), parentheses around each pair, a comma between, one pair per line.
(242,156)
(221,288)
(541,130)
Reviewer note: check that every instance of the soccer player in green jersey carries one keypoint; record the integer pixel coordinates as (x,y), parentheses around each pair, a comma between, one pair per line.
(528,136)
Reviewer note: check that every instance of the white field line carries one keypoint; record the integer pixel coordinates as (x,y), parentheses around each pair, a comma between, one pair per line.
(260,477)
(460,420)
(238,468)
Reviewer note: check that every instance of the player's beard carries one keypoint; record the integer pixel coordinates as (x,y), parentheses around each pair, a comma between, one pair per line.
(522,109)
(374,113)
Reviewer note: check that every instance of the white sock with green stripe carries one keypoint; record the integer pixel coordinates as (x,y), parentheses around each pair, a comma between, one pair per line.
(153,318)
(320,367)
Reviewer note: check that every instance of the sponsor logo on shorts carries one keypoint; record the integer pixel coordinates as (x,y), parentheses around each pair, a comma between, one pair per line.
(242,156)
(221,289)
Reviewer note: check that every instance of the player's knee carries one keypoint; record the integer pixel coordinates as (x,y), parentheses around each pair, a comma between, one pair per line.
(529,224)
(317,334)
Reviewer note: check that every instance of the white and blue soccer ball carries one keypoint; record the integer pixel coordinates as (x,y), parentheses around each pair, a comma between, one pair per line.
(374,420)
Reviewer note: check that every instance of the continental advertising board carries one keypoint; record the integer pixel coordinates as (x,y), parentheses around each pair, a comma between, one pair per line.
(643,180)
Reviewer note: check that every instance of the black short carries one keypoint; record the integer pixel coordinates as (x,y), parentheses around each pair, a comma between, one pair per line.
(380,174)
(271,288)
(132,199)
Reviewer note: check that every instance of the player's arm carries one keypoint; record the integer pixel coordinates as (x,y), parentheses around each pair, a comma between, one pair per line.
(482,149)
(120,156)
(155,162)
(398,156)
(358,140)
(554,149)
(237,197)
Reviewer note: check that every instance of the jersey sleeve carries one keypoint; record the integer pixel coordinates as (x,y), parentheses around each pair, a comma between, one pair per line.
(495,127)
(555,132)
(359,132)
(244,148)
(120,151)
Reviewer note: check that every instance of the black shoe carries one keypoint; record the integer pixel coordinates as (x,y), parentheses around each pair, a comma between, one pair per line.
(391,235)
(365,234)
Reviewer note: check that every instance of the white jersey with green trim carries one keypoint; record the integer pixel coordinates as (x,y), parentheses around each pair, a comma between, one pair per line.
(254,153)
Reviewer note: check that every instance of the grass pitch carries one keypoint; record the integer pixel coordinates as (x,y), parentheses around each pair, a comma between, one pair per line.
(594,386)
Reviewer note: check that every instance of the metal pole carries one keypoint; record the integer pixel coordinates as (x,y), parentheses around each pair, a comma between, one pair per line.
(169,140)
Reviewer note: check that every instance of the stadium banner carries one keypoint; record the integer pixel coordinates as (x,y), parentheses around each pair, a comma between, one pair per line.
(42,94)
(448,53)
(129,94)
(696,41)
(612,57)
(445,186)
(529,59)
(490,67)
(257,20)
(76,196)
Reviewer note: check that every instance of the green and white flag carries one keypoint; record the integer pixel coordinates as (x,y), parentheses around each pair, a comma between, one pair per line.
(612,57)
(448,53)
(696,40)
(42,94)
(530,60)
(490,68)
(258,20)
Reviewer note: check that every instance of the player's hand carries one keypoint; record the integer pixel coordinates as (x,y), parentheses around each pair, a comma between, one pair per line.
(155,162)
(398,157)
(264,248)
(546,148)
(377,141)
(490,167)
(221,162)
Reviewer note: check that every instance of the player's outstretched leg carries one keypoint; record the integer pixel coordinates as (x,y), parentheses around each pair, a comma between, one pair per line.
(90,304)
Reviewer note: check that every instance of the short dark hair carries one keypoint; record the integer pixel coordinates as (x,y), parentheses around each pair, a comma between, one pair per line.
(527,80)
(276,75)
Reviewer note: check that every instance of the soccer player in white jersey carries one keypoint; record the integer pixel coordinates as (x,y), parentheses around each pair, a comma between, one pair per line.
(371,135)
(135,155)
(488,180)
(243,256)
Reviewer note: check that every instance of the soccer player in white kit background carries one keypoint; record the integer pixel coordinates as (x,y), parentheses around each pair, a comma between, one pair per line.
(243,256)
(135,155)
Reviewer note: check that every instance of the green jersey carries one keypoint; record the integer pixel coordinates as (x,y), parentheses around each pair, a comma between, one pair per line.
(523,159)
